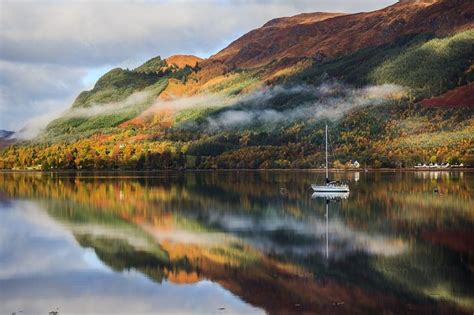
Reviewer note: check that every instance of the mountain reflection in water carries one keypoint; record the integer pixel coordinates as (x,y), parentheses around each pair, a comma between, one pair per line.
(235,242)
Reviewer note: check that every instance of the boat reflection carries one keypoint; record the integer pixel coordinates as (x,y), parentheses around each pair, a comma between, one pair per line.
(331,195)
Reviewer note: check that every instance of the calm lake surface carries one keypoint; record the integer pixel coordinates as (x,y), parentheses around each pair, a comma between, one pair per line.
(236,243)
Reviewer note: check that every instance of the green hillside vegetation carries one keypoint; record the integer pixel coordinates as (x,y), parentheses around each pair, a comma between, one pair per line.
(154,65)
(195,114)
(72,126)
(428,66)
(115,86)
(355,68)
(236,82)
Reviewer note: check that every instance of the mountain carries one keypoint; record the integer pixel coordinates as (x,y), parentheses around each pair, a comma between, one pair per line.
(5,134)
(6,138)
(325,35)
(394,85)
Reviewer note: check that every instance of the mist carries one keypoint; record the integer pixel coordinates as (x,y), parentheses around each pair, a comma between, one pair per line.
(197,101)
(98,109)
(327,101)
(37,125)
(33,127)
(262,107)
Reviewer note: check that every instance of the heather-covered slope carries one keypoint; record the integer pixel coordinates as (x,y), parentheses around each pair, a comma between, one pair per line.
(262,102)
(319,36)
(462,96)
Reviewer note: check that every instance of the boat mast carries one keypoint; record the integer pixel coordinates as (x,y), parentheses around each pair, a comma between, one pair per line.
(327,167)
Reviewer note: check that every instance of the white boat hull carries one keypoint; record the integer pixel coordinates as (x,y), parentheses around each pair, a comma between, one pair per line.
(330,188)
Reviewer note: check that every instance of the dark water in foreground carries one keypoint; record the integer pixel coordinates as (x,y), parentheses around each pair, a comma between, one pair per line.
(236,243)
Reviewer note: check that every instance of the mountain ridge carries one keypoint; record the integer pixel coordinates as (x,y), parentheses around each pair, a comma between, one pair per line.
(337,33)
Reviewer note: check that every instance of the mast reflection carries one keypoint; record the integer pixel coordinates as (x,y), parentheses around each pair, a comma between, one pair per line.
(328,196)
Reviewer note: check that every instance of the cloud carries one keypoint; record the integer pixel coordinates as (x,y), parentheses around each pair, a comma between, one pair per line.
(35,233)
(344,240)
(96,32)
(31,90)
(110,108)
(202,100)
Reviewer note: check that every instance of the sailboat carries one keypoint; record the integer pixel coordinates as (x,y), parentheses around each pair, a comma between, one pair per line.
(333,187)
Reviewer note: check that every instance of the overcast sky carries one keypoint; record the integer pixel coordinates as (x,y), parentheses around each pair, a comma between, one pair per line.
(52,50)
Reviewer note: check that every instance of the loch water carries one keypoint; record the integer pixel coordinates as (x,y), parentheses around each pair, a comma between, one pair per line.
(236,242)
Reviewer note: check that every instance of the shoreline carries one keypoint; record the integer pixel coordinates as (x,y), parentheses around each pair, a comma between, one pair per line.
(314,170)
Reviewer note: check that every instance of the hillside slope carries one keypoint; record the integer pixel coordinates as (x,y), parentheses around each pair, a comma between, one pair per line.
(183,60)
(320,35)
(262,102)
(462,96)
